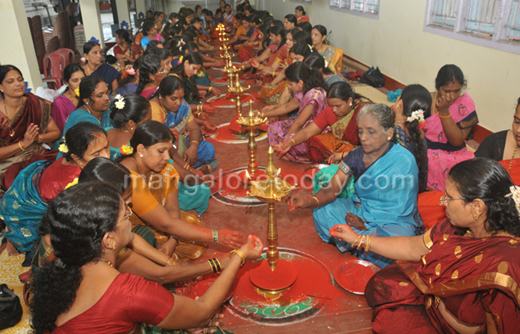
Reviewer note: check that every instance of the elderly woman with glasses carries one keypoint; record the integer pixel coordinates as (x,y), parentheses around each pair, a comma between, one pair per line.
(461,275)
(381,181)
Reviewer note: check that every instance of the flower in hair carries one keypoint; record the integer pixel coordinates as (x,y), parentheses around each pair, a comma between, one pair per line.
(417,115)
(131,71)
(515,193)
(76,91)
(170,21)
(310,47)
(326,63)
(63,148)
(126,149)
(83,59)
(120,103)
(180,43)
(180,60)
(73,183)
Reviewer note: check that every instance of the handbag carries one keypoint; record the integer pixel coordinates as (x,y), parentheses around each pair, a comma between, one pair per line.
(374,78)
(10,308)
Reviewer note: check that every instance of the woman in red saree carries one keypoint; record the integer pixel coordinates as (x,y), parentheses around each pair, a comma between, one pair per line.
(27,120)
(461,276)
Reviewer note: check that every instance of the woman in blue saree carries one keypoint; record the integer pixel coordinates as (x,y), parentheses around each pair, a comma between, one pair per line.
(95,66)
(25,202)
(384,202)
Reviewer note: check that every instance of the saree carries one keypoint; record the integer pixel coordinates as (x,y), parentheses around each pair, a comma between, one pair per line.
(179,121)
(61,108)
(148,92)
(277,132)
(22,208)
(343,136)
(271,94)
(441,154)
(34,110)
(334,57)
(385,199)
(472,276)
(147,196)
(108,73)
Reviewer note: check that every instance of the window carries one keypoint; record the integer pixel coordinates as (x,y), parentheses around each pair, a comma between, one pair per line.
(491,23)
(367,8)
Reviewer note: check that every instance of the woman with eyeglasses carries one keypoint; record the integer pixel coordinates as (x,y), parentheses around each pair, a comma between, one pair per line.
(83,292)
(461,276)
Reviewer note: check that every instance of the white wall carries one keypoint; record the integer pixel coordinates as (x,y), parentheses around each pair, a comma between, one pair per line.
(402,50)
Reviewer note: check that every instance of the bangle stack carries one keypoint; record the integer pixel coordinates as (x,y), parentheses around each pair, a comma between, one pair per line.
(186,166)
(242,256)
(362,241)
(215,236)
(214,263)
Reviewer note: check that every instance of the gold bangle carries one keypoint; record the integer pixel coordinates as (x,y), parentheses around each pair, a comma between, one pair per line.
(445,116)
(209,89)
(242,256)
(21,147)
(261,67)
(294,143)
(368,243)
(361,242)
(199,108)
(213,269)
(354,244)
(186,166)
(194,141)
(317,200)
(274,72)
(217,263)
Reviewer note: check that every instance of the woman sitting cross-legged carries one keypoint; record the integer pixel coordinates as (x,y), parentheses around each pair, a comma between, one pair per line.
(25,202)
(155,195)
(383,201)
(340,115)
(461,276)
(82,292)
(170,108)
(311,98)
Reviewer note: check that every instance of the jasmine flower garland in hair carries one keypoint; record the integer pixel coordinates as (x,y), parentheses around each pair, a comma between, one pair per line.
(120,103)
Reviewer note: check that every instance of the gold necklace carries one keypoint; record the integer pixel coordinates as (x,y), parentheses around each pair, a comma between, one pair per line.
(511,163)
(108,262)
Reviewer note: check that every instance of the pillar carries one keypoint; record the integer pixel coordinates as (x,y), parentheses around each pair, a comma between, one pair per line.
(17,47)
(123,13)
(140,7)
(92,21)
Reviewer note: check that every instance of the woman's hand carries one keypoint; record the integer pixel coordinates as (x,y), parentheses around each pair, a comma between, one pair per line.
(216,91)
(230,239)
(442,104)
(282,148)
(343,232)
(203,93)
(208,108)
(168,247)
(210,328)
(335,157)
(190,155)
(268,109)
(300,200)
(354,221)
(30,135)
(252,248)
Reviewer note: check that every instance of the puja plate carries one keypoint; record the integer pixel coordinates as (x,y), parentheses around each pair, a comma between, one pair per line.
(354,275)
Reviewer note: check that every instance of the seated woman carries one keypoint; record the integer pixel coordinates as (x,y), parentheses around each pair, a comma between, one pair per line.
(27,121)
(317,61)
(170,108)
(158,204)
(127,113)
(129,80)
(301,15)
(289,22)
(149,33)
(384,199)
(245,50)
(228,15)
(82,292)
(340,116)
(92,106)
(123,49)
(66,103)
(25,202)
(151,73)
(309,93)
(271,59)
(459,276)
(278,91)
(452,117)
(334,56)
(94,65)
(503,147)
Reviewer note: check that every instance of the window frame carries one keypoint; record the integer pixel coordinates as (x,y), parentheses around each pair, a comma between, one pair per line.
(498,40)
(353,11)
(309,2)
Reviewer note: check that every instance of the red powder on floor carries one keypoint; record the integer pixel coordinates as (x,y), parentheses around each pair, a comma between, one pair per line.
(280,278)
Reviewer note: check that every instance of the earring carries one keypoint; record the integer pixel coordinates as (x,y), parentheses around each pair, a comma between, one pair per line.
(350,104)
(86,103)
(114,246)
(475,215)
(131,129)
(141,155)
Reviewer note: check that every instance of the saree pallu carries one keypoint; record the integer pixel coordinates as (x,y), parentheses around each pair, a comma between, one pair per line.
(108,73)
(34,110)
(22,208)
(279,56)
(472,276)
(334,57)
(320,146)
(385,198)
(277,132)
(442,156)
(62,107)
(271,94)
(147,93)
